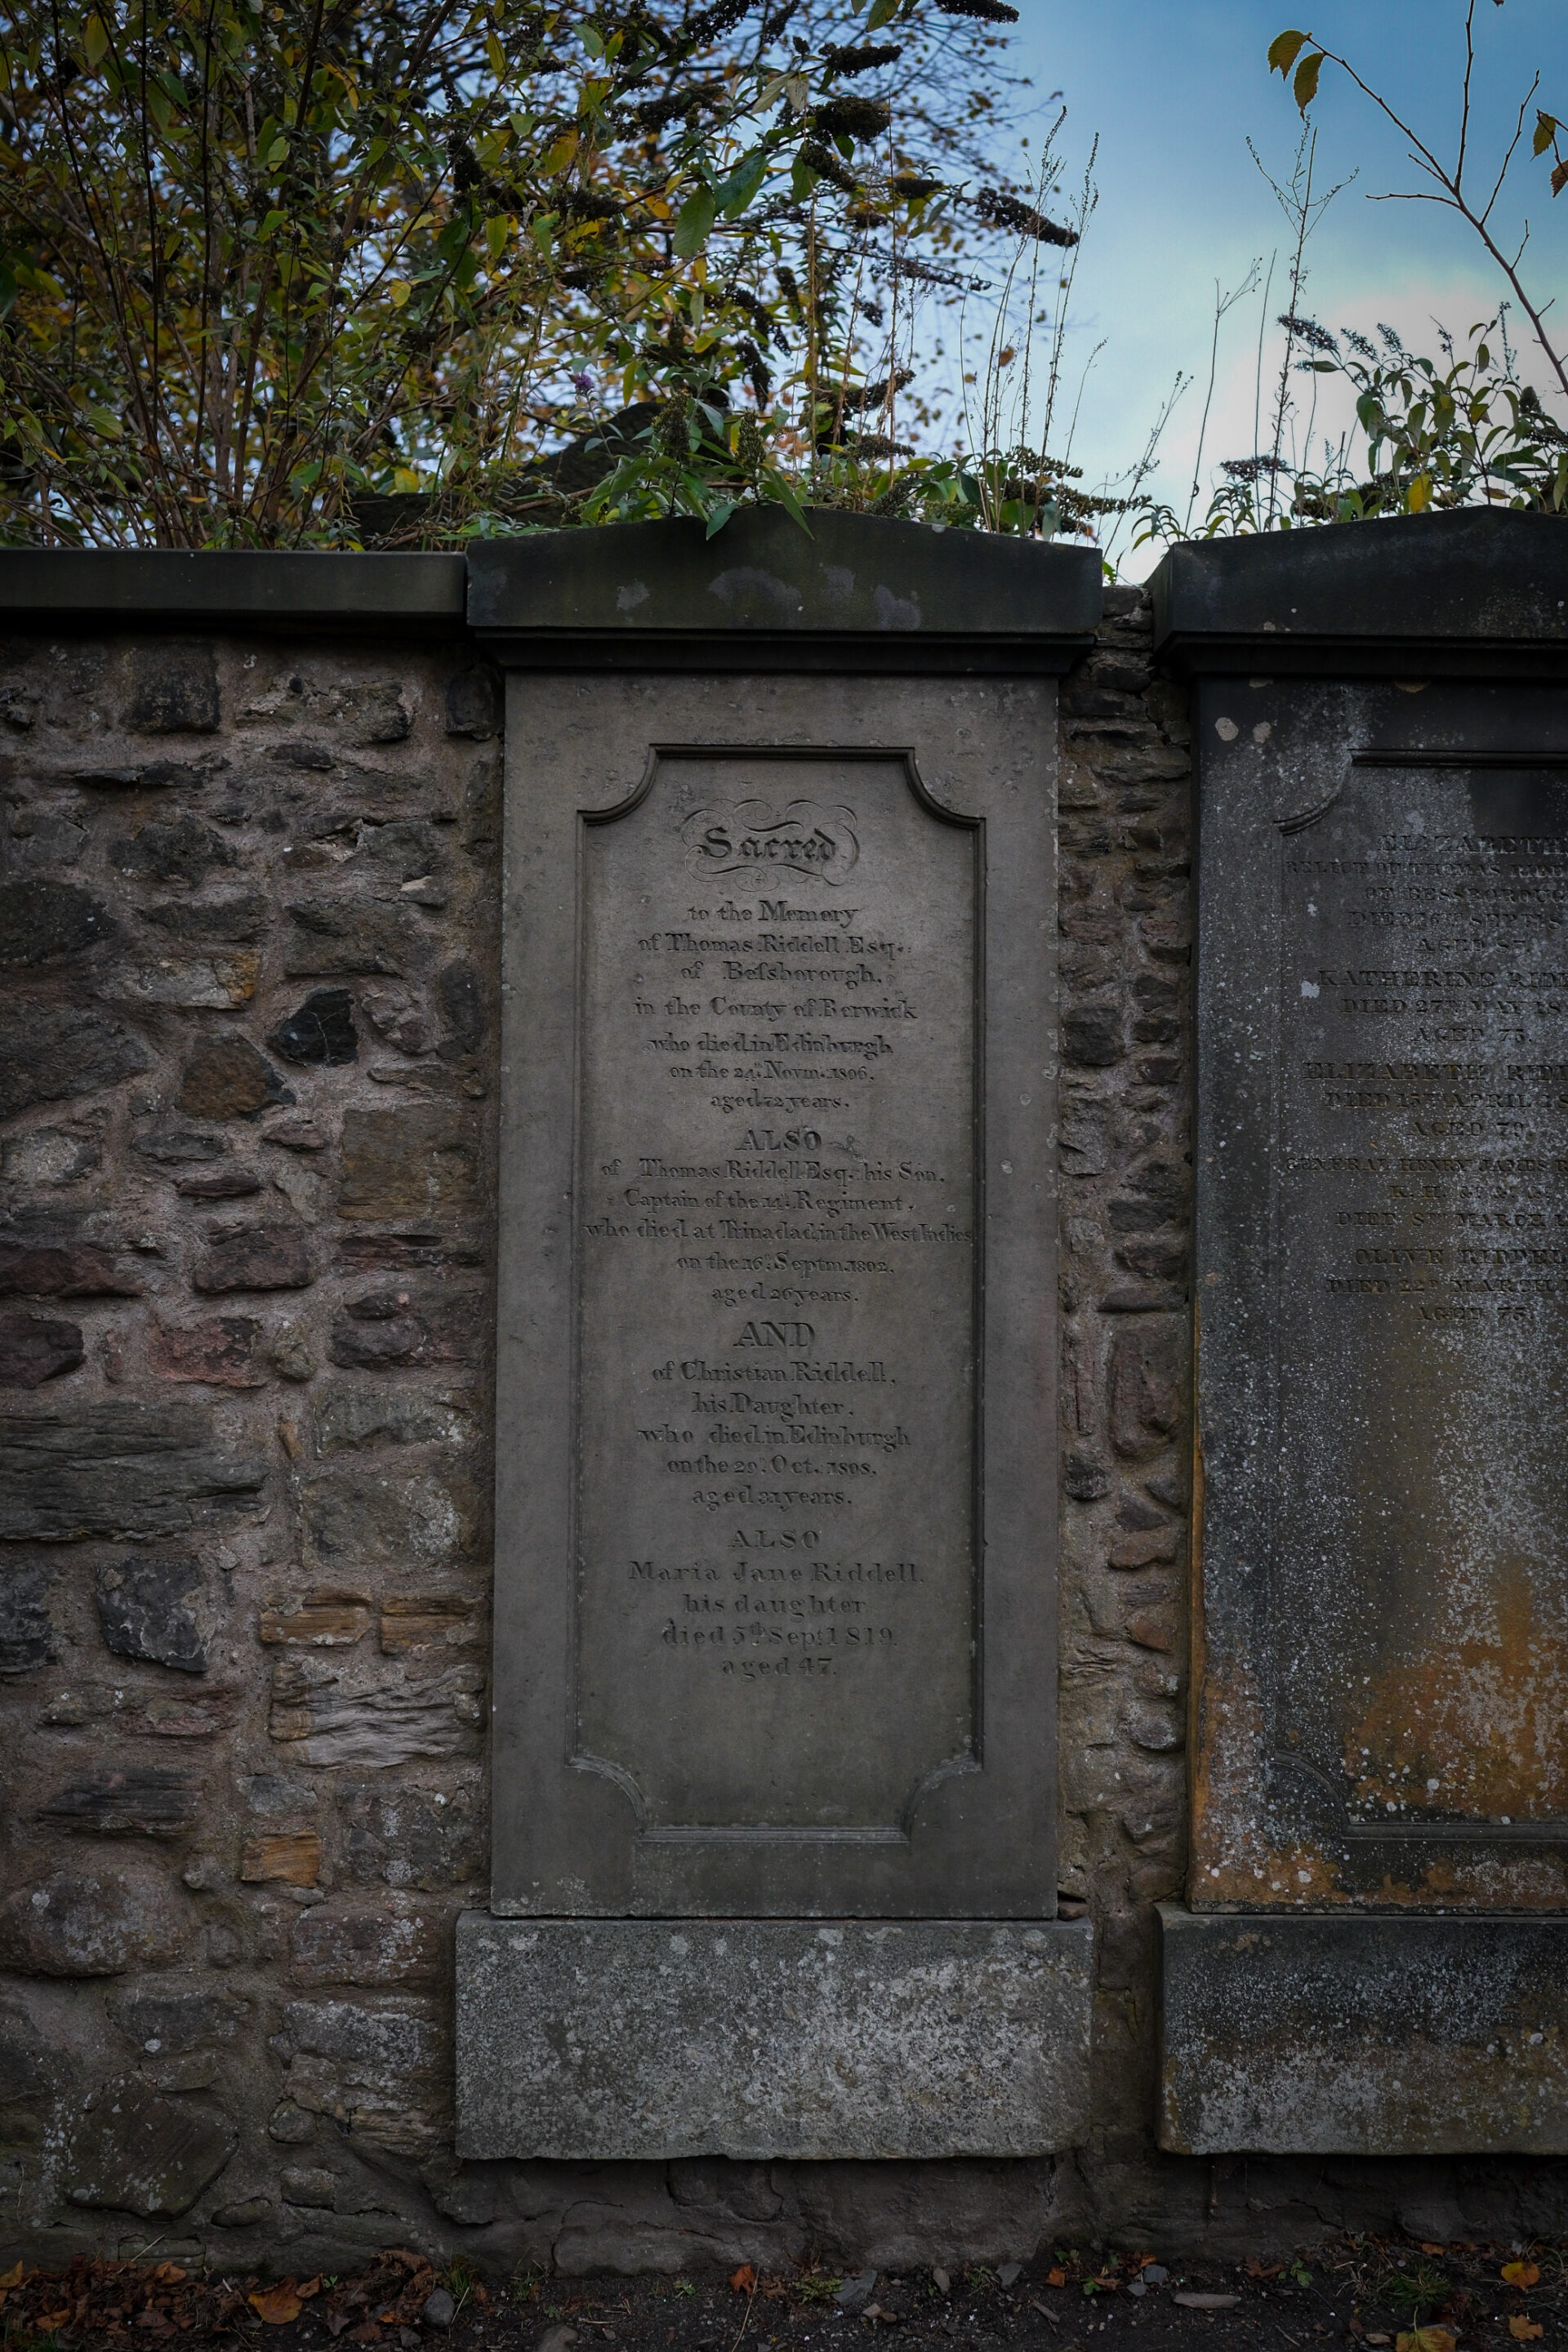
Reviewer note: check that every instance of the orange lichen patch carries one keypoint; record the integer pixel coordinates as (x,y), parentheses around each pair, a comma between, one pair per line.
(293,1858)
(1472,1727)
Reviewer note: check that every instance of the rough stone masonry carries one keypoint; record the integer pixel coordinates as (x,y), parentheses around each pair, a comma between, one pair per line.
(248,920)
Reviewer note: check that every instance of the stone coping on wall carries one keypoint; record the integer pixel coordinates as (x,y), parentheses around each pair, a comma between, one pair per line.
(1472,592)
(844,592)
(160,588)
(1354,2035)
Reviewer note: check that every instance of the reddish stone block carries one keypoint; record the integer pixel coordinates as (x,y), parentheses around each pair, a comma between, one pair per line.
(254,1257)
(221,1352)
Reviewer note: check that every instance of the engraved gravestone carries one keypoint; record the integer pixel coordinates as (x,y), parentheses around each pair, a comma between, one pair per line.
(1385,1145)
(775,1633)
(1382,1156)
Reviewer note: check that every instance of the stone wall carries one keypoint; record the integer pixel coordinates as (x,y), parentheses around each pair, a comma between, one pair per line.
(248,929)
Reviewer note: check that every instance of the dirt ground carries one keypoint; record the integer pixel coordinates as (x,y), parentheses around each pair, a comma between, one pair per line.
(1410,2298)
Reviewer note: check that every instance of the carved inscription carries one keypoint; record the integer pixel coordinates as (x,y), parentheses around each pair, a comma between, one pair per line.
(1422,1247)
(775,1568)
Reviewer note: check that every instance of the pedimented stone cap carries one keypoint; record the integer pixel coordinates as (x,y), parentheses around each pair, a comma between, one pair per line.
(1475,592)
(850,591)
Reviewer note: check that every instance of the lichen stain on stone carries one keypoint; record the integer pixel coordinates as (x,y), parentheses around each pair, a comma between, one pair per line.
(1471,1725)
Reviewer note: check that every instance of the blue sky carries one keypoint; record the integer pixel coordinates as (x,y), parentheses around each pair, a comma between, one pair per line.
(1173,88)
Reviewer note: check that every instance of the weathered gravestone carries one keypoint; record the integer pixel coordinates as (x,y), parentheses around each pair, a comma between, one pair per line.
(1382,718)
(774,1786)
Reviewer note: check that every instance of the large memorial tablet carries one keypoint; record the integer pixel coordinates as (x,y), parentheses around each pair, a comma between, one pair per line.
(773,1776)
(773,1583)
(1383,1296)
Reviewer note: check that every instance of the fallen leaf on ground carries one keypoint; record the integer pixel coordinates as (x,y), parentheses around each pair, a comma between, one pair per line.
(1056,2278)
(275,2304)
(48,2319)
(744,2280)
(1255,2269)
(1377,2339)
(307,2288)
(1523,2330)
(1433,2250)
(168,2274)
(1425,2339)
(1522,2273)
(1195,2301)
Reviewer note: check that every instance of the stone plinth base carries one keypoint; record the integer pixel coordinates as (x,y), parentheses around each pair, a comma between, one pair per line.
(1342,2034)
(757,2039)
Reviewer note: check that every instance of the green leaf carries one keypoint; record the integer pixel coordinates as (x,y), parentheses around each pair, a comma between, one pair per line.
(95,44)
(1304,88)
(736,192)
(1544,124)
(1283,51)
(276,155)
(719,517)
(882,13)
(694,222)
(779,489)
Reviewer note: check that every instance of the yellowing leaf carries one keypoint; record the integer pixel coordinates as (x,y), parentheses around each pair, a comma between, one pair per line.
(1522,2273)
(1304,88)
(276,2305)
(95,41)
(497,55)
(1544,125)
(1426,2339)
(1283,51)
(1420,497)
(399,289)
(1523,2330)
(561,155)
